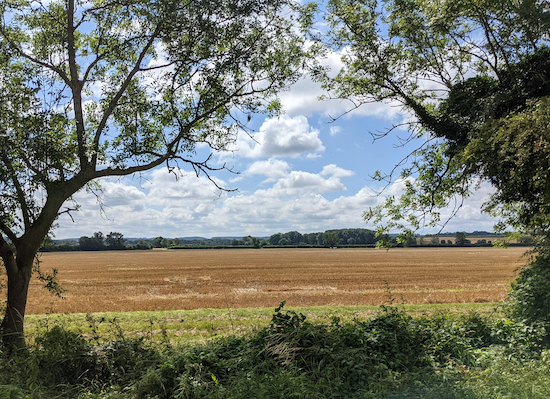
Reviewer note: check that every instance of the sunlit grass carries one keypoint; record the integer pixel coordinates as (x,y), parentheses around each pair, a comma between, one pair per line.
(202,325)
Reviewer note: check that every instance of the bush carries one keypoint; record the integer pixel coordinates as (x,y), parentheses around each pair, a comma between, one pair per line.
(530,293)
(62,357)
(390,356)
(299,359)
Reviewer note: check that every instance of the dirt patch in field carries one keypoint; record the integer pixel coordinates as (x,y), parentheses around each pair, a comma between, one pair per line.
(188,279)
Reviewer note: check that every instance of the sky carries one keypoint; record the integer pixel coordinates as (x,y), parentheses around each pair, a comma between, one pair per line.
(302,171)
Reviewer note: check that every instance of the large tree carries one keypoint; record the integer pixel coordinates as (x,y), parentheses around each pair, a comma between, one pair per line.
(97,88)
(475,76)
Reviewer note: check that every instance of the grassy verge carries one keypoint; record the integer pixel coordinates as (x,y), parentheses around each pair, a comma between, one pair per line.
(459,351)
(202,325)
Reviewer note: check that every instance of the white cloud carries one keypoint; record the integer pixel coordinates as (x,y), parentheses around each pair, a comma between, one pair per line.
(336,171)
(298,182)
(272,168)
(281,137)
(182,189)
(191,206)
(303,98)
(334,130)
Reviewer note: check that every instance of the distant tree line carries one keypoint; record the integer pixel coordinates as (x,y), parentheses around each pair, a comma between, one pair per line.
(329,238)
(97,242)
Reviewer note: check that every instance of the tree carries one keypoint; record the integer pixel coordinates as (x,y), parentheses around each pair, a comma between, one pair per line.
(461,239)
(275,238)
(94,243)
(157,242)
(253,241)
(476,77)
(142,244)
(93,89)
(330,239)
(115,240)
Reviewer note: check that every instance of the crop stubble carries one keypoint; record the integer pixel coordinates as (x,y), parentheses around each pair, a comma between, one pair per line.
(238,278)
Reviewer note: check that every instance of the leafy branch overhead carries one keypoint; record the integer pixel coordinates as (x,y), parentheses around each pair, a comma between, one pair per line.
(474,75)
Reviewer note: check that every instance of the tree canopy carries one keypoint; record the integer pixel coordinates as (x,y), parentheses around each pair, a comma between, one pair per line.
(99,88)
(475,76)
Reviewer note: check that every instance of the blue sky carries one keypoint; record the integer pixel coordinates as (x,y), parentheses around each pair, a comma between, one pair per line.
(301,171)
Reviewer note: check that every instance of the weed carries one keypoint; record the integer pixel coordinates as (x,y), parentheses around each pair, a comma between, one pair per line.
(391,355)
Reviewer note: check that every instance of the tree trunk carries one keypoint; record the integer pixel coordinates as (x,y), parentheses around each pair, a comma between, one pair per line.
(19,271)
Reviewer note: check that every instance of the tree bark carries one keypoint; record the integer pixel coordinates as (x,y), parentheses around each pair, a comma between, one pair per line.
(19,257)
(19,271)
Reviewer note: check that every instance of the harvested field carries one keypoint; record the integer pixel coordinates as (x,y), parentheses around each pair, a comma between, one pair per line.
(239,278)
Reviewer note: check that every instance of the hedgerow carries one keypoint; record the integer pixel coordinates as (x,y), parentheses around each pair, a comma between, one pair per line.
(392,355)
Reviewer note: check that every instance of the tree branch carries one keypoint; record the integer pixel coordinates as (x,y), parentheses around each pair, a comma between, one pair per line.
(6,253)
(20,194)
(53,68)
(112,104)
(76,87)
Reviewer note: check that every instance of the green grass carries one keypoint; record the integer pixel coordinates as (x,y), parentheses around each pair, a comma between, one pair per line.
(203,325)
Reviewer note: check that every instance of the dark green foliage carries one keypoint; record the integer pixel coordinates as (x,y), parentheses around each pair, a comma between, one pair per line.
(94,243)
(461,239)
(62,357)
(531,293)
(115,240)
(328,238)
(390,356)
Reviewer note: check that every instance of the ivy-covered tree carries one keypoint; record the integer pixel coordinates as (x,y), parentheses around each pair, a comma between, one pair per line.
(96,88)
(475,75)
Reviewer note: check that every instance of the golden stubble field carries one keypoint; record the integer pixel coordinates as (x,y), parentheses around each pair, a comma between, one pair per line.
(238,278)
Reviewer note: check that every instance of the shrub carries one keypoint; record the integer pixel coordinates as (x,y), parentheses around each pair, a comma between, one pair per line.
(62,357)
(530,293)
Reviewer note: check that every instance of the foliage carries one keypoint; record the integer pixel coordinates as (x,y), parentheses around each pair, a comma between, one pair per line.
(330,239)
(531,293)
(389,356)
(338,237)
(481,128)
(475,76)
(461,239)
(115,240)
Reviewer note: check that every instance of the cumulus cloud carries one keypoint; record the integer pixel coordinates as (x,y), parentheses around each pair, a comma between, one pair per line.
(190,206)
(272,168)
(281,137)
(336,171)
(297,182)
(334,130)
(303,98)
(181,188)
